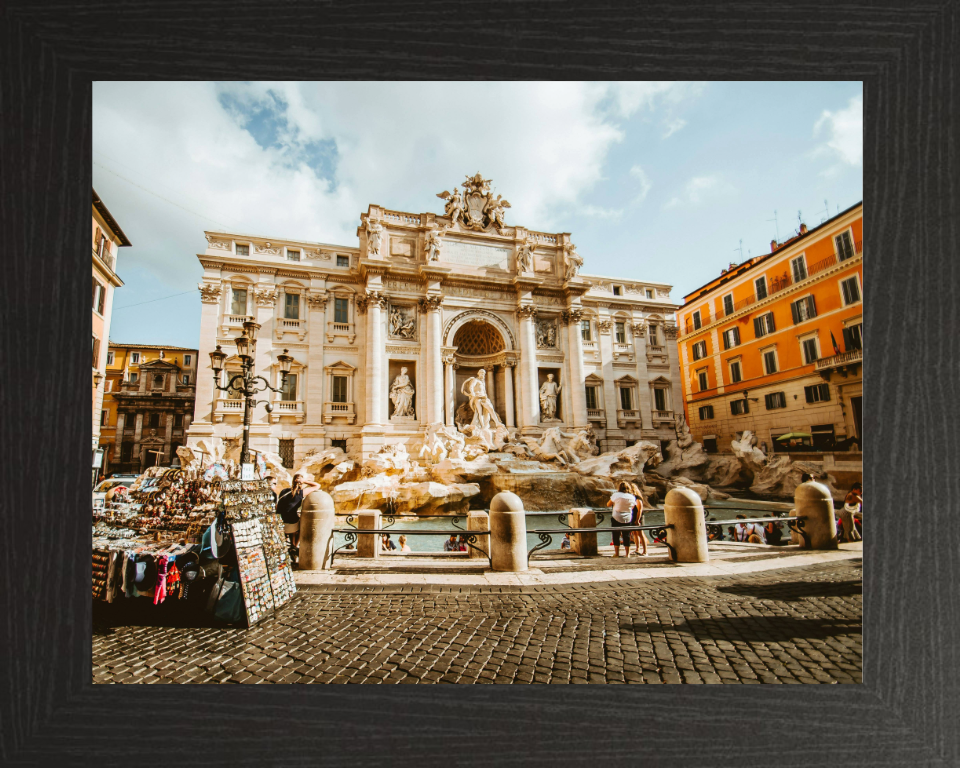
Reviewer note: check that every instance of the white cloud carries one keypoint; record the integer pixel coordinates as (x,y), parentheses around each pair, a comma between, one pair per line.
(844,135)
(611,214)
(673,126)
(697,189)
(396,144)
(645,184)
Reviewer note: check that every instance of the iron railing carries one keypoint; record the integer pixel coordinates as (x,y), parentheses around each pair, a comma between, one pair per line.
(546,535)
(351,534)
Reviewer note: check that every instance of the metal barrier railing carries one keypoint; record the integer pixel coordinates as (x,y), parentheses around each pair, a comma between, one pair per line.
(793,523)
(546,535)
(351,534)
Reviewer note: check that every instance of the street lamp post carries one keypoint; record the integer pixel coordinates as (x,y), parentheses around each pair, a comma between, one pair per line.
(246,383)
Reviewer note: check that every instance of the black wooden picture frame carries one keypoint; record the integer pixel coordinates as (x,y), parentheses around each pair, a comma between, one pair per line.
(907,710)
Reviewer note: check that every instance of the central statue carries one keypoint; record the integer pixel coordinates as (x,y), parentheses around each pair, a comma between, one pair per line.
(475,388)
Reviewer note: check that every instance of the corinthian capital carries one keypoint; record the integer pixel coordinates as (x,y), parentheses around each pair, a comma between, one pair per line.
(571,316)
(210,293)
(526,310)
(266,297)
(430,303)
(317,300)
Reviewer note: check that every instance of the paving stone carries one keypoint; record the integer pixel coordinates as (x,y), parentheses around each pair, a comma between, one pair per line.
(798,625)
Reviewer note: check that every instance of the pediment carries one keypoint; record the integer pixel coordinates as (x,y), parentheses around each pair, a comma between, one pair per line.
(341,366)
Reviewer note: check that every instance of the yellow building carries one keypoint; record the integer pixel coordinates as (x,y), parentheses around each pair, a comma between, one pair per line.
(147,406)
(107,237)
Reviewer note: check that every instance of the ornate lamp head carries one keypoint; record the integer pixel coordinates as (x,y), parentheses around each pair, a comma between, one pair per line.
(216,360)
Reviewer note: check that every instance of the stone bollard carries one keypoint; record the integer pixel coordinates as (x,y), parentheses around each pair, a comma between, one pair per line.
(683,509)
(508,533)
(584,544)
(368,520)
(815,504)
(479,521)
(317,520)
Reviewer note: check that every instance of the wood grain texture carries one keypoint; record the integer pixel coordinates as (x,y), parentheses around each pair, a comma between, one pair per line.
(907,711)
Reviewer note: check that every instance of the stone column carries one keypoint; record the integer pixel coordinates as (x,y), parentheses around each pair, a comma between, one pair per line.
(317,521)
(644,393)
(576,376)
(209,320)
(432,305)
(583,543)
(815,504)
(491,388)
(530,403)
(614,440)
(368,520)
(167,440)
(683,510)
(508,533)
(137,431)
(449,394)
(316,326)
(375,388)
(508,394)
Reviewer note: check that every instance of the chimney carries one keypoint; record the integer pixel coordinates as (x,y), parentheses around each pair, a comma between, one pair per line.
(773,246)
(732,266)
(803,228)
(723,271)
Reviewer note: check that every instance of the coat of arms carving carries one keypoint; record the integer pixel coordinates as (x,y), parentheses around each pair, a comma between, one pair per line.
(477,208)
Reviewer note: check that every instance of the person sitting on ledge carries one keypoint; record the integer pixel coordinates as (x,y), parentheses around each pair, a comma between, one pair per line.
(567,543)
(404,547)
(451,544)
(387,544)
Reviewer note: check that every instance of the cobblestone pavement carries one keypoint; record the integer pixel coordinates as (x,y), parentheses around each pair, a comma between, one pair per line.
(792,625)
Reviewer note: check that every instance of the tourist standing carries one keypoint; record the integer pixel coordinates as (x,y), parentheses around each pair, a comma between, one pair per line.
(852,512)
(288,507)
(638,536)
(622,502)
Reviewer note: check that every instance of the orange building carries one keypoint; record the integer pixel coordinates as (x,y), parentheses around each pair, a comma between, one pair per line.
(775,345)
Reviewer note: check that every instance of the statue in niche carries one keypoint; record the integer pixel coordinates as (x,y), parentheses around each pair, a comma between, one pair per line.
(401,393)
(525,255)
(374,237)
(572,260)
(548,399)
(402,325)
(432,246)
(475,388)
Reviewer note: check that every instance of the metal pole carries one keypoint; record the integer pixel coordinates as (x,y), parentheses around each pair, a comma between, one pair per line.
(247,406)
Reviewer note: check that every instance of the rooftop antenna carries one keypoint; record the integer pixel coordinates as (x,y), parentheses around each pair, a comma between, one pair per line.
(740,248)
(776,224)
(826,212)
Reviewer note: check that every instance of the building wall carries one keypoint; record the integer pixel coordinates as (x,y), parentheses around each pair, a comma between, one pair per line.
(105,244)
(135,400)
(441,296)
(842,374)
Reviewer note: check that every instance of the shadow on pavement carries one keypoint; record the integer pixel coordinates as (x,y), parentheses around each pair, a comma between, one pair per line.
(759,629)
(795,590)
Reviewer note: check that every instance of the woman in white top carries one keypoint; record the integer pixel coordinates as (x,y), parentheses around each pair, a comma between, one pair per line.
(622,502)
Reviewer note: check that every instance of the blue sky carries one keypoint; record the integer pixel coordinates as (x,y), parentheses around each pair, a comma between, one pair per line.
(655,181)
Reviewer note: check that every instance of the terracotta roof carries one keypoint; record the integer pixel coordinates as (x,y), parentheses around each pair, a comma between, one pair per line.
(108,218)
(164,347)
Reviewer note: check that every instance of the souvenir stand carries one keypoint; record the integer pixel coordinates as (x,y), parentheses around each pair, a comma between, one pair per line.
(151,541)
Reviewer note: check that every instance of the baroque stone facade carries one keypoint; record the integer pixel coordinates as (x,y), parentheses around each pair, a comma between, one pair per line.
(444,297)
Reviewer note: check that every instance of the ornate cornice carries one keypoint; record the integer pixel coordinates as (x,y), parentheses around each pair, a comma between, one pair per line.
(218,242)
(267,248)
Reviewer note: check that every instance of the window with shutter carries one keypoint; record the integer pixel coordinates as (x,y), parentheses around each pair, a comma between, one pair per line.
(810,353)
(97,235)
(735,373)
(759,327)
(761,285)
(811,307)
(844,246)
(817,393)
(799,268)
(96,351)
(102,299)
(770,361)
(291,308)
(728,304)
(591,398)
(853,337)
(706,412)
(696,320)
(702,380)
(851,290)
(289,391)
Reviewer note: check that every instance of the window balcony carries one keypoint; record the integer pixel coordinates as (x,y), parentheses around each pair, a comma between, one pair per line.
(285,325)
(598,415)
(663,416)
(287,408)
(341,329)
(846,364)
(622,349)
(233,323)
(333,411)
(625,417)
(227,407)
